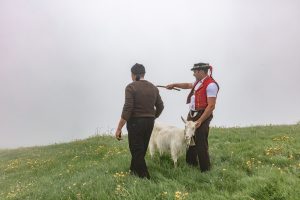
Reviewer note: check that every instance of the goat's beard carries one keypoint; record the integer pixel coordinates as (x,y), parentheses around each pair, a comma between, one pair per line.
(188,142)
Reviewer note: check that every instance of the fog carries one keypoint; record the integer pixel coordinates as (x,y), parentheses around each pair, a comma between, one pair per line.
(64,65)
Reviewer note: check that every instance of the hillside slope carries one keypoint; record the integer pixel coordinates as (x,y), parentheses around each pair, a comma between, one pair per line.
(247,163)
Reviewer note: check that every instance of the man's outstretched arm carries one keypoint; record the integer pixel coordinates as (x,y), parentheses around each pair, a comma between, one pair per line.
(180,85)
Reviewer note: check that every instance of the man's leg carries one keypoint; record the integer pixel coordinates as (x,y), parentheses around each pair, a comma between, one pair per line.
(191,156)
(191,153)
(202,145)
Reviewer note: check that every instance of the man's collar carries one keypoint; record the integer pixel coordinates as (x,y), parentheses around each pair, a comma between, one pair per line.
(203,79)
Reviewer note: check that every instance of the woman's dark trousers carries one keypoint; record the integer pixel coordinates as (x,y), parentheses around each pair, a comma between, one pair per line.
(139,132)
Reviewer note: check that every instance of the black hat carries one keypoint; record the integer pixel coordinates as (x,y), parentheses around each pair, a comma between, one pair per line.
(201,66)
(138,69)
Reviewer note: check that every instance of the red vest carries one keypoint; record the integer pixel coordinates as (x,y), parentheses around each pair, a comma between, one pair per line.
(200,93)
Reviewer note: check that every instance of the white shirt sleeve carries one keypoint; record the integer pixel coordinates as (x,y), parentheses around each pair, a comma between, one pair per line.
(212,90)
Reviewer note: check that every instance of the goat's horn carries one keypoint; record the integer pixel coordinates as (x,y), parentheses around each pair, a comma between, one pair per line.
(183,119)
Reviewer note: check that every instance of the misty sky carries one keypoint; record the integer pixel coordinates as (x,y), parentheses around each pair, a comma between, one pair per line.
(64,64)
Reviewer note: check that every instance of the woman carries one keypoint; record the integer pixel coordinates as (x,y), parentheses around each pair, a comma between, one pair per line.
(142,105)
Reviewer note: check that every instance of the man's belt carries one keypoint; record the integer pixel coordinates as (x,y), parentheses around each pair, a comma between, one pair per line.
(194,113)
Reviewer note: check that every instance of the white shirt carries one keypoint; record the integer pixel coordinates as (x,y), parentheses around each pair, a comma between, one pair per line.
(211,91)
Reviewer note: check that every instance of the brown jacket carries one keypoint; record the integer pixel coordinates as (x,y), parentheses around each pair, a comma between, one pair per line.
(142,99)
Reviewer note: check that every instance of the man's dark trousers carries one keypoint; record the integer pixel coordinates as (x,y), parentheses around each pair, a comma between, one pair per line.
(139,132)
(200,150)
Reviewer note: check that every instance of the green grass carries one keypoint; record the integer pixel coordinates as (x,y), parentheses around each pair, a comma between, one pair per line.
(247,163)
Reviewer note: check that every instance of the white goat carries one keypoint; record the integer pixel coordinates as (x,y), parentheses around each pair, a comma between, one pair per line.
(171,139)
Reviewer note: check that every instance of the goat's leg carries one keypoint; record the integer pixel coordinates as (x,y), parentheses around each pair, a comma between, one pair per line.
(175,164)
(174,155)
(160,148)
(151,149)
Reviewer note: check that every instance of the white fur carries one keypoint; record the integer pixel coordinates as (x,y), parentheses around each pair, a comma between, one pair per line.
(170,139)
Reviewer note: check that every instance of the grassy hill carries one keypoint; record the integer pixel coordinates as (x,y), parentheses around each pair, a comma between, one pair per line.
(247,163)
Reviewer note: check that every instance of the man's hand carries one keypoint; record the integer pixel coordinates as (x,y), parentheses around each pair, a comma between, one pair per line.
(198,123)
(118,134)
(211,101)
(170,87)
(175,86)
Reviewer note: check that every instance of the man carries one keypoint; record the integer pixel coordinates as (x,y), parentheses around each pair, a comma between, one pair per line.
(142,105)
(202,101)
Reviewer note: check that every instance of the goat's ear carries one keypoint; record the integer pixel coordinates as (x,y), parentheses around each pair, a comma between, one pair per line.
(183,120)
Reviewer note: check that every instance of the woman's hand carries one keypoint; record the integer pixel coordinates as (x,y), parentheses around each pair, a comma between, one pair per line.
(118,134)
